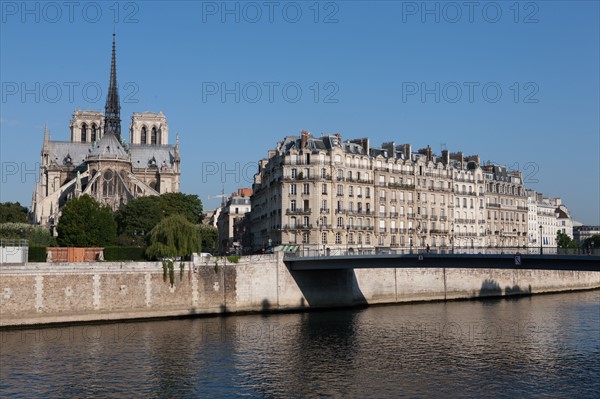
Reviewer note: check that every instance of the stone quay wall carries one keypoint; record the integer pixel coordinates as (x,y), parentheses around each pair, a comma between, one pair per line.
(45,293)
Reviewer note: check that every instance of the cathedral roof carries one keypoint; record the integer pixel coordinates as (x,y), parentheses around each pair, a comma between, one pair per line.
(144,156)
(59,152)
(109,147)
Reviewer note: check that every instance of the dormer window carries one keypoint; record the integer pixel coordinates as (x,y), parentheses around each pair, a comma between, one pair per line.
(152,162)
(68,160)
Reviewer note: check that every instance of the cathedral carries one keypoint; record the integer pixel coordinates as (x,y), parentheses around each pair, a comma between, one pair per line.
(97,162)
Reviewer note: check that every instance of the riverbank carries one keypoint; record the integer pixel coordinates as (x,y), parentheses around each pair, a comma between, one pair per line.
(47,293)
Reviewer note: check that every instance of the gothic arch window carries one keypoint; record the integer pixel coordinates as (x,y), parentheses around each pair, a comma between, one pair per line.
(83,133)
(143,139)
(153,136)
(94,133)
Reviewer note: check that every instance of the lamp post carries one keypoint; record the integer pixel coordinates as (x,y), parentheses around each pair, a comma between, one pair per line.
(452,240)
(347,238)
(541,241)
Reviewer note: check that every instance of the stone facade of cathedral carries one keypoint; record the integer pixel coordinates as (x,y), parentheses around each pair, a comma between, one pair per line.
(96,161)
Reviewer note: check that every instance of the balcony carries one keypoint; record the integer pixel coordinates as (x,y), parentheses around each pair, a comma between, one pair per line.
(410,215)
(443,218)
(297,211)
(324,210)
(297,227)
(433,217)
(394,214)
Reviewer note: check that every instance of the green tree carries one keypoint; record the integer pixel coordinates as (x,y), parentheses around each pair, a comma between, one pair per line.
(187,205)
(136,219)
(84,223)
(174,236)
(565,242)
(210,237)
(13,212)
(592,242)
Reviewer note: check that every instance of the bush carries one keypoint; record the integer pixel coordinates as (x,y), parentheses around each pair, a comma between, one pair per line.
(124,253)
(36,254)
(36,235)
(233,259)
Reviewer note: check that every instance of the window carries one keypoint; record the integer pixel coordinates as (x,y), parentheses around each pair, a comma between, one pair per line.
(293,189)
(293,221)
(338,238)
(340,189)
(324,204)
(340,223)
(294,173)
(144,136)
(153,136)
(306,222)
(306,188)
(351,191)
(83,133)
(305,237)
(323,173)
(324,189)
(293,205)
(324,238)
(94,132)
(292,238)
(368,239)
(368,192)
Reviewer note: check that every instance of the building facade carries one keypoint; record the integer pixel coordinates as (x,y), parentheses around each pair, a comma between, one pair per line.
(232,223)
(97,162)
(324,195)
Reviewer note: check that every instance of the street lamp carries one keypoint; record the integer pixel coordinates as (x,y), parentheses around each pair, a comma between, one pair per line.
(347,237)
(452,240)
(541,241)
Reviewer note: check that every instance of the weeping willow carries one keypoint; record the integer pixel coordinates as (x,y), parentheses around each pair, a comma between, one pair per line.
(173,237)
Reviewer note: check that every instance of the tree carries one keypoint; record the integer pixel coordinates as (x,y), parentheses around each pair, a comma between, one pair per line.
(84,223)
(137,218)
(187,205)
(174,236)
(592,242)
(565,242)
(210,237)
(13,212)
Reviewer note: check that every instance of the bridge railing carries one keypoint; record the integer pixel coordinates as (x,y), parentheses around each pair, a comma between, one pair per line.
(306,252)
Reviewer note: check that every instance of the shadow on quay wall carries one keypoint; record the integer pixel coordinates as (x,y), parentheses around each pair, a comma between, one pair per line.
(329,288)
(491,288)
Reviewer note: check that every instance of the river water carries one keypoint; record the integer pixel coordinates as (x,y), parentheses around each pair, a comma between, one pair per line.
(540,346)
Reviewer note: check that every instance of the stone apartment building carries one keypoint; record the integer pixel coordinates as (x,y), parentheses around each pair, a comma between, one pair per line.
(546,216)
(324,195)
(232,223)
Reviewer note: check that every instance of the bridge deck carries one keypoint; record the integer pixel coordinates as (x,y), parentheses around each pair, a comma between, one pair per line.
(475,261)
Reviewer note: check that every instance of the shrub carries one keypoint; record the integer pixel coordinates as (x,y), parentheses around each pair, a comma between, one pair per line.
(124,253)
(36,254)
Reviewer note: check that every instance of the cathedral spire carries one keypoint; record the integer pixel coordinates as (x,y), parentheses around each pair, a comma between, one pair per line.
(112,110)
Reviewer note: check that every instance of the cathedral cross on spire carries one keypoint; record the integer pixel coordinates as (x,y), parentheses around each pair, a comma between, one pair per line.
(112,110)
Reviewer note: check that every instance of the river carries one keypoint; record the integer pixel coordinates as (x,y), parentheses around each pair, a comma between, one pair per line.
(539,346)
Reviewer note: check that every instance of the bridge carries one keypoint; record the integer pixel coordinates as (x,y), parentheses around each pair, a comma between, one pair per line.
(581,262)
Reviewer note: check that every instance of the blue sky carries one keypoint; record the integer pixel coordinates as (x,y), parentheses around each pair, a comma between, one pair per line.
(516,83)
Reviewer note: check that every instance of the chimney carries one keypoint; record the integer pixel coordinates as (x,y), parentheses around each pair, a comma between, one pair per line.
(445,157)
(429,154)
(390,148)
(406,150)
(304,139)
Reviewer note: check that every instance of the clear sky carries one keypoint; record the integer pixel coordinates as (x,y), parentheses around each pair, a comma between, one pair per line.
(515,82)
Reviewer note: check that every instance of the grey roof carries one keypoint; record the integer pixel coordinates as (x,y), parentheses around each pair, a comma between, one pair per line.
(59,150)
(109,146)
(142,155)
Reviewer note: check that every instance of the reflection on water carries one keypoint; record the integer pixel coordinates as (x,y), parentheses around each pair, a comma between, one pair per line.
(542,346)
